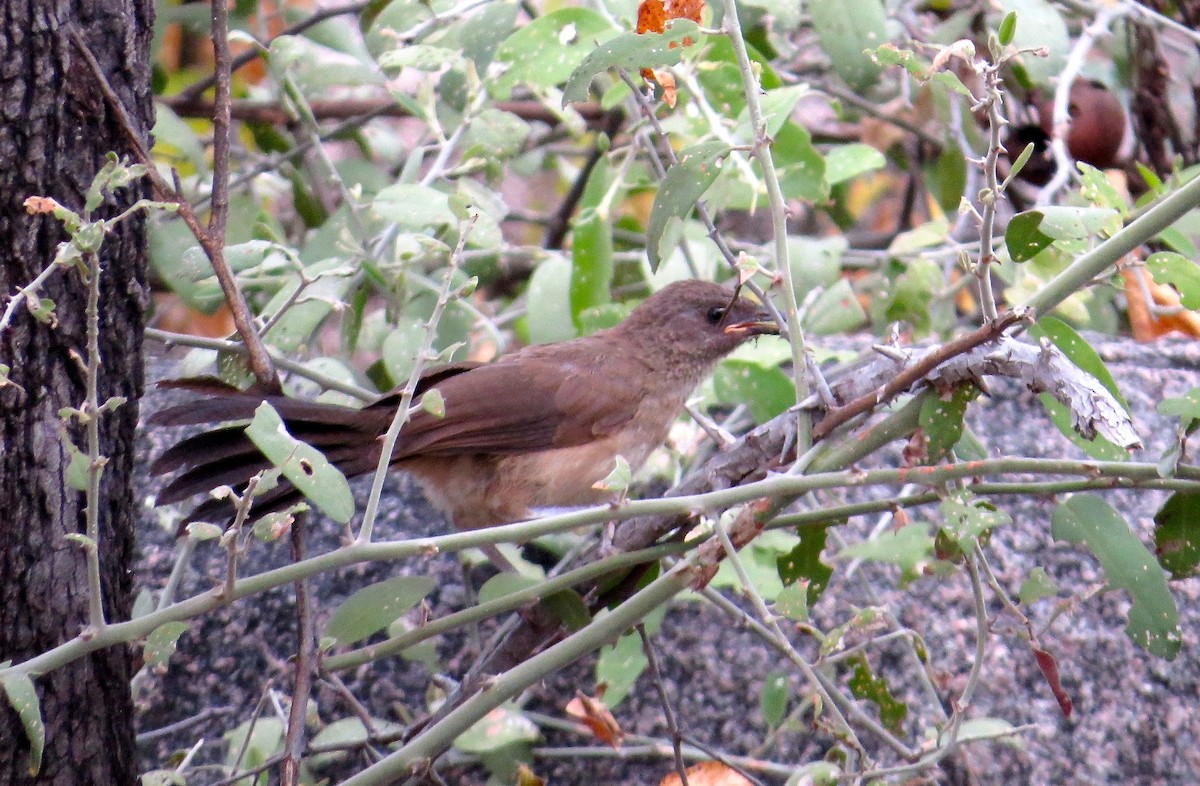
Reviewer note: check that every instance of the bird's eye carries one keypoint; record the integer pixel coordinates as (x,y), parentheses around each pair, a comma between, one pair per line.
(715,315)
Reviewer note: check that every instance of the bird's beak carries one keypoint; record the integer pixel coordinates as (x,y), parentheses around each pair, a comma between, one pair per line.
(763,325)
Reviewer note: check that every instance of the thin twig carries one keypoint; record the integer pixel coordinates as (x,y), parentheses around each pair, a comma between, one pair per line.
(665,701)
(306,653)
(260,360)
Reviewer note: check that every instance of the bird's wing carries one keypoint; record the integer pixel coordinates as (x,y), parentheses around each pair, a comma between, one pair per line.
(532,403)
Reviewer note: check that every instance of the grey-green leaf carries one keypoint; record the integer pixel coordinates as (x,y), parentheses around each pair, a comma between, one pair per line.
(305,466)
(683,186)
(160,644)
(1087,520)
(373,608)
(631,51)
(24,699)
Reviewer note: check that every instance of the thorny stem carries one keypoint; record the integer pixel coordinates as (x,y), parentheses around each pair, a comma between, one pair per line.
(776,635)
(762,151)
(402,409)
(96,462)
(991,193)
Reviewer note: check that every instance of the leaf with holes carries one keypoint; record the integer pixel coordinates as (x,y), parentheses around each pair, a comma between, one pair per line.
(631,51)
(1177,535)
(941,420)
(965,519)
(1087,520)
(305,466)
(160,644)
(865,684)
(683,186)
(804,562)
(544,52)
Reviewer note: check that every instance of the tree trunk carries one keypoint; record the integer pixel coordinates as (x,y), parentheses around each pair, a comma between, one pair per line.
(55,129)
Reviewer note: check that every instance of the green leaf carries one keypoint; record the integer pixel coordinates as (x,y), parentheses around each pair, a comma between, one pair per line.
(160,644)
(1078,351)
(910,547)
(801,166)
(792,601)
(550,289)
(1177,534)
(373,608)
(1167,267)
(505,583)
(846,162)
(618,479)
(774,698)
(683,186)
(305,466)
(1024,238)
(1087,520)
(804,562)
(413,206)
(1186,407)
(777,106)
(501,727)
(619,666)
(570,609)
(982,728)
(260,738)
(544,52)
(631,51)
(400,348)
(77,467)
(868,686)
(203,530)
(173,138)
(845,33)
(948,179)
(836,310)
(941,420)
(592,247)
(163,778)
(1008,27)
(767,391)
(966,518)
(1037,585)
(23,698)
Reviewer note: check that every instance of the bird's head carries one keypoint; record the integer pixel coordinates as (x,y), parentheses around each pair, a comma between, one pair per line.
(695,321)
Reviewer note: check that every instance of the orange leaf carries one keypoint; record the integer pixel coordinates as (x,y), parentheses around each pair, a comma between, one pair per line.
(652,17)
(1146,325)
(667,80)
(592,713)
(708,773)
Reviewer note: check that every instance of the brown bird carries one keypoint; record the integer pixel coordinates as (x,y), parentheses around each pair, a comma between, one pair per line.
(536,429)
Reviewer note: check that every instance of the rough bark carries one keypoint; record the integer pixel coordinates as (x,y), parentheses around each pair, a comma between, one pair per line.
(54,133)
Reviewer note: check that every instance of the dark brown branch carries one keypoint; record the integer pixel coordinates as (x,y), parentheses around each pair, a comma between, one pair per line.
(260,361)
(194,91)
(916,372)
(275,113)
(556,230)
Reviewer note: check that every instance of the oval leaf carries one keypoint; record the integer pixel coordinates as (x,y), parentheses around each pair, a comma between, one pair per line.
(305,466)
(373,608)
(1087,520)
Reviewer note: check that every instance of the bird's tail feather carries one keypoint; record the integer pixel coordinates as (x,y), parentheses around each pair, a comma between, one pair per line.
(227,457)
